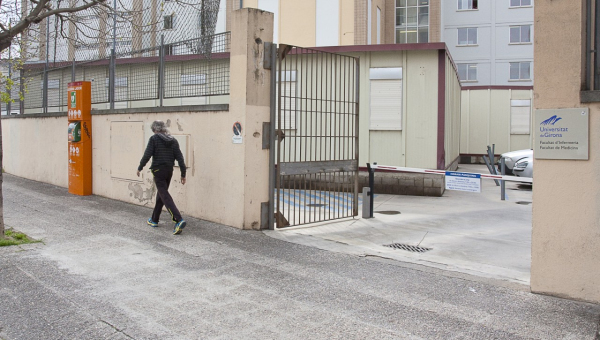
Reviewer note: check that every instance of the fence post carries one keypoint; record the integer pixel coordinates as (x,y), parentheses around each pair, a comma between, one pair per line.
(111,80)
(45,90)
(161,70)
(73,70)
(22,91)
(45,85)
(9,90)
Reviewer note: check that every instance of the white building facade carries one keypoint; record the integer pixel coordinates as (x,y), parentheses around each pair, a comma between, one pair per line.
(491,42)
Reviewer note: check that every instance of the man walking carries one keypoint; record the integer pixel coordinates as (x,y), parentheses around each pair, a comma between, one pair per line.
(164,150)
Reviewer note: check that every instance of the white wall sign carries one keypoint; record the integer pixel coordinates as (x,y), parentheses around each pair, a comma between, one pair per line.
(561,134)
(237,133)
(462,181)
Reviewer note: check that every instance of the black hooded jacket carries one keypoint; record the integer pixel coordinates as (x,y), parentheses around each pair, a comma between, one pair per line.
(164,150)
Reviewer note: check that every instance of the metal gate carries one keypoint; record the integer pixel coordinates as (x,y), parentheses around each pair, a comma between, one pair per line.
(316,136)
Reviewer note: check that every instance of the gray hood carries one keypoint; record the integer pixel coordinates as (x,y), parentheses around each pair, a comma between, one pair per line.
(168,139)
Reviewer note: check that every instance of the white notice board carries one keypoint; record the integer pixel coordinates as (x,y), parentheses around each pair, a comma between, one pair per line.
(462,181)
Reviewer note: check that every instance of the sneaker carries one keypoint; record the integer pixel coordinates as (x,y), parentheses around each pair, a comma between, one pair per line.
(179,227)
(152,223)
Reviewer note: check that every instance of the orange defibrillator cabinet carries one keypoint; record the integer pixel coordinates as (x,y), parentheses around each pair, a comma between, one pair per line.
(80,137)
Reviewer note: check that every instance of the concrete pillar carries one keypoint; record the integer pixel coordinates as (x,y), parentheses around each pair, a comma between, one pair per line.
(565,249)
(250,106)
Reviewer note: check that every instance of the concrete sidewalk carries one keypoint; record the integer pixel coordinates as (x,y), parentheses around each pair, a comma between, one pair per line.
(472,233)
(102,273)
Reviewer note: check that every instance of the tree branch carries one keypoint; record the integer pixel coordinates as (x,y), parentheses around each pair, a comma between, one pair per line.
(59,11)
(41,11)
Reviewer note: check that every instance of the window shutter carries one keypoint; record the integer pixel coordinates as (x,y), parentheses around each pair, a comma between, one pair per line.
(386,104)
(520,117)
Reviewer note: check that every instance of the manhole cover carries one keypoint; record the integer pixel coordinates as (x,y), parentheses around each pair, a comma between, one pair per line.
(388,212)
(523,202)
(407,247)
(316,205)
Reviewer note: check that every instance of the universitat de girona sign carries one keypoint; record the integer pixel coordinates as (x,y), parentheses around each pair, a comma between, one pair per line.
(563,134)
(555,132)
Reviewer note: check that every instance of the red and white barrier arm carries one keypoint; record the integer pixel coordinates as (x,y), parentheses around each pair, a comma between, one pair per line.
(442,172)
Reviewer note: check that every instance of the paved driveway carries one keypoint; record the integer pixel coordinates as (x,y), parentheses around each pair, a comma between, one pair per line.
(473,233)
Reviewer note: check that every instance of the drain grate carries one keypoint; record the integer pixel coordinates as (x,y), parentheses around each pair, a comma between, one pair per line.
(524,202)
(388,212)
(407,247)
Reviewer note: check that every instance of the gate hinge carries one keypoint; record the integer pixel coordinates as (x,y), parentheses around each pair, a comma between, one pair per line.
(266,135)
(267,55)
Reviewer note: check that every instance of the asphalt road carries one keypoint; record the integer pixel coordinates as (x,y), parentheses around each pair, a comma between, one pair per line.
(102,273)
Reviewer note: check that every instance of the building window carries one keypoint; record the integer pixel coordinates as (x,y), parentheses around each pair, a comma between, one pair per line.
(385,98)
(520,71)
(193,79)
(520,117)
(467,4)
(169,22)
(169,50)
(520,3)
(412,21)
(592,80)
(467,36)
(520,34)
(119,81)
(467,72)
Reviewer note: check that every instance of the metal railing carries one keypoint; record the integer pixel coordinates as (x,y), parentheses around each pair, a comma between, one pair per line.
(192,68)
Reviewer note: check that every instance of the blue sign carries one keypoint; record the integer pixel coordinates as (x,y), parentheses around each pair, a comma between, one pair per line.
(463,181)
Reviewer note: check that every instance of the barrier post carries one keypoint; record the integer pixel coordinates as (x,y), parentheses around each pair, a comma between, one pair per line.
(502,183)
(371,192)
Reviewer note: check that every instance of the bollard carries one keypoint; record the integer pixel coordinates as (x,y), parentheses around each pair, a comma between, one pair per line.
(366,208)
(371,188)
(503,183)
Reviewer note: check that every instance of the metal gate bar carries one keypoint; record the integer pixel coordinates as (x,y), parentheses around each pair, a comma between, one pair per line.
(316,136)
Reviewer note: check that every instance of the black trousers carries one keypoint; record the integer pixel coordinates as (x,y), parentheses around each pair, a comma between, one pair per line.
(162,179)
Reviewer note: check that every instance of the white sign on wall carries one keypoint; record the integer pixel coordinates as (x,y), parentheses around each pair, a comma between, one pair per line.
(561,134)
(462,181)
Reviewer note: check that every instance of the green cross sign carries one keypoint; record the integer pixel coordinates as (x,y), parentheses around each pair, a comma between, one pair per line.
(73,99)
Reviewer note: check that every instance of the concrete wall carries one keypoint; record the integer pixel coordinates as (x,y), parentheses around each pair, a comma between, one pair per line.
(297,22)
(565,250)
(36,149)
(346,22)
(227,190)
(452,104)
(485,120)
(422,125)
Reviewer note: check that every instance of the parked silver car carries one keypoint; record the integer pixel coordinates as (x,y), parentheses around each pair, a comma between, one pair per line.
(524,167)
(511,158)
